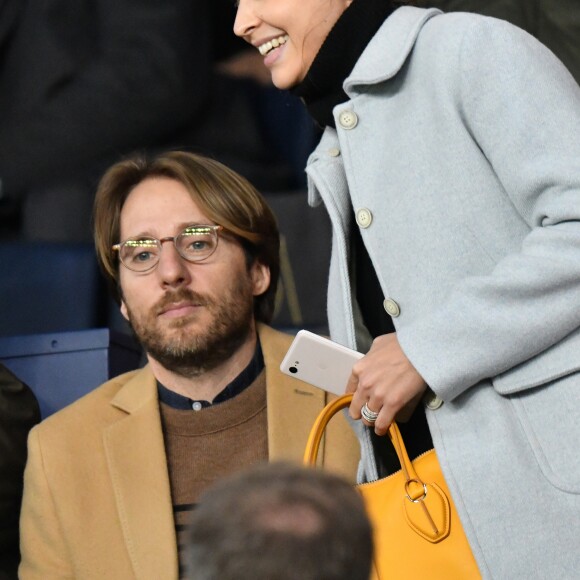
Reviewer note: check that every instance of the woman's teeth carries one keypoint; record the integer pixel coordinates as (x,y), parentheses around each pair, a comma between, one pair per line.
(271,44)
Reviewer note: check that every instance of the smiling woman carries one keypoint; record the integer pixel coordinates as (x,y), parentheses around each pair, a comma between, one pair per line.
(456,249)
(264,23)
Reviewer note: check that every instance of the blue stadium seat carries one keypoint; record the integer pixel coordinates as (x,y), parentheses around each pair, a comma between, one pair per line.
(61,367)
(48,287)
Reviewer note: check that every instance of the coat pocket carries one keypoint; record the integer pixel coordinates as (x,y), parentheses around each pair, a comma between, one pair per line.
(558,361)
(549,417)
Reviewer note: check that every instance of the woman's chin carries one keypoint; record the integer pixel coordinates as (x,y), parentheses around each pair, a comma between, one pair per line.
(283,81)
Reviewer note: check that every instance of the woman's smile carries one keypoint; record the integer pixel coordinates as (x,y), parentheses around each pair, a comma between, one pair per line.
(287,36)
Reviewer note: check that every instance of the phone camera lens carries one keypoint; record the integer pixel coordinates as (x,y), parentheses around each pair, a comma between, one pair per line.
(293,370)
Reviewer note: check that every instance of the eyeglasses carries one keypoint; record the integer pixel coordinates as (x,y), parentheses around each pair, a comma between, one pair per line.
(194,244)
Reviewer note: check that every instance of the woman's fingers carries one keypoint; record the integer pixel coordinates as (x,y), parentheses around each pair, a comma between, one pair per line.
(386,382)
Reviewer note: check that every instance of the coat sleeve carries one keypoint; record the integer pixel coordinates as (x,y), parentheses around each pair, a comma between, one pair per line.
(520,324)
(42,544)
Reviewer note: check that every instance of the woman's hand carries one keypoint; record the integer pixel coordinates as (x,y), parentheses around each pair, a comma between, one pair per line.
(386,381)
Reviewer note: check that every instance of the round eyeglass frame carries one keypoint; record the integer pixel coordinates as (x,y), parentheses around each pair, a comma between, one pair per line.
(214,229)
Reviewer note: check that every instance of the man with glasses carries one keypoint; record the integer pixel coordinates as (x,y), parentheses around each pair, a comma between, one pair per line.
(191,249)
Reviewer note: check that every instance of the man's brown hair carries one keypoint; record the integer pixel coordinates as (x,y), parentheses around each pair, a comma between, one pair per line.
(226,198)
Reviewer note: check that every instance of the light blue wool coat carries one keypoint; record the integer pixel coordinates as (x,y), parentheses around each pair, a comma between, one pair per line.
(465,152)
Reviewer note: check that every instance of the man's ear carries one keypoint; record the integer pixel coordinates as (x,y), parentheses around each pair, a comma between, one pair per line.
(260,278)
(123,309)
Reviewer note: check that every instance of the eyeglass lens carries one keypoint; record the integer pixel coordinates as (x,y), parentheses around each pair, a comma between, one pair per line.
(194,244)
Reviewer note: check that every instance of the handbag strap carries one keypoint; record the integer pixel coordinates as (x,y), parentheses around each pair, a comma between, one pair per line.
(427,516)
(319,426)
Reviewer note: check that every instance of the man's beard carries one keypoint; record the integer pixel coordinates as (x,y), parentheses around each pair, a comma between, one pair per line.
(190,354)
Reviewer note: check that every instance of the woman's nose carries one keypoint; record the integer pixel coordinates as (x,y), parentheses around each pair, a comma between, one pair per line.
(246,21)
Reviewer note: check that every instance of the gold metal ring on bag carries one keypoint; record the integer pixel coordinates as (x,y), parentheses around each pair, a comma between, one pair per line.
(408,496)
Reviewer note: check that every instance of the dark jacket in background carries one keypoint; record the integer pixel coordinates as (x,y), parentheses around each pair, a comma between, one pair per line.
(83,84)
(19,412)
(84,81)
(9,11)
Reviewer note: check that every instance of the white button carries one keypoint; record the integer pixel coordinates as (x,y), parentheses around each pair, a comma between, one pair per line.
(196,406)
(348,119)
(391,307)
(334,152)
(364,217)
(432,401)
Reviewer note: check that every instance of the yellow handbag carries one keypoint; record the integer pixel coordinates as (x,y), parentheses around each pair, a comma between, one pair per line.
(417,532)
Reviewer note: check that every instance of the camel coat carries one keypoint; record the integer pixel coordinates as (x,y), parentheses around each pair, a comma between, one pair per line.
(97,501)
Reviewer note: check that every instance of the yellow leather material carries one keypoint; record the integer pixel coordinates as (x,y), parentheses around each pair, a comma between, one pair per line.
(429,515)
(417,532)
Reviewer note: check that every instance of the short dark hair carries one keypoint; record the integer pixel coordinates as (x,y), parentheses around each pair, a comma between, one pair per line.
(223,195)
(283,522)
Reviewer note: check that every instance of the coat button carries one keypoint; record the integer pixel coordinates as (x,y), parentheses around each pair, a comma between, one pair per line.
(391,307)
(364,217)
(334,152)
(432,401)
(348,119)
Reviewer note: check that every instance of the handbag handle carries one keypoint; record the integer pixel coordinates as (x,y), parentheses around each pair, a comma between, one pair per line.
(427,516)
(317,431)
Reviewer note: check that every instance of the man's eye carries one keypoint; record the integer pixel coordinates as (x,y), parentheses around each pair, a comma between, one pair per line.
(198,245)
(143,257)
(140,251)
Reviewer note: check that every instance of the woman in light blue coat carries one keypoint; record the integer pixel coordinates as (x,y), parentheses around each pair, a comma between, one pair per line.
(450,168)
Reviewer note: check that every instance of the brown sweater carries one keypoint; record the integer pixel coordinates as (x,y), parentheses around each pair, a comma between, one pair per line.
(203,446)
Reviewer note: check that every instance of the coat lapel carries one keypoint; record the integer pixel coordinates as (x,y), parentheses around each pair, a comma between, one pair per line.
(138,468)
(327,182)
(293,405)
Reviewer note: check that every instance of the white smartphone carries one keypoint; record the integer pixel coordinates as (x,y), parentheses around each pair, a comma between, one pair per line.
(320,362)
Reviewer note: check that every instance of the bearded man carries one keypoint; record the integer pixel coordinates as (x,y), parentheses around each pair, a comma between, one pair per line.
(192,250)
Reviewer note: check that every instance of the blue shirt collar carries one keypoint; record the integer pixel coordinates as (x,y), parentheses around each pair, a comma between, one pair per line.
(239,384)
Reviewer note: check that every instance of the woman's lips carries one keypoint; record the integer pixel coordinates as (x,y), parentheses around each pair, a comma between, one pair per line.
(272,48)
(273,56)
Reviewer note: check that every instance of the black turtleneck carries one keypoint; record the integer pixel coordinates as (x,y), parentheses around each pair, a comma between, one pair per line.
(321,90)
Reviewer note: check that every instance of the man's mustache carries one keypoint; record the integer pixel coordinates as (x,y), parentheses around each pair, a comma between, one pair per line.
(185,295)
